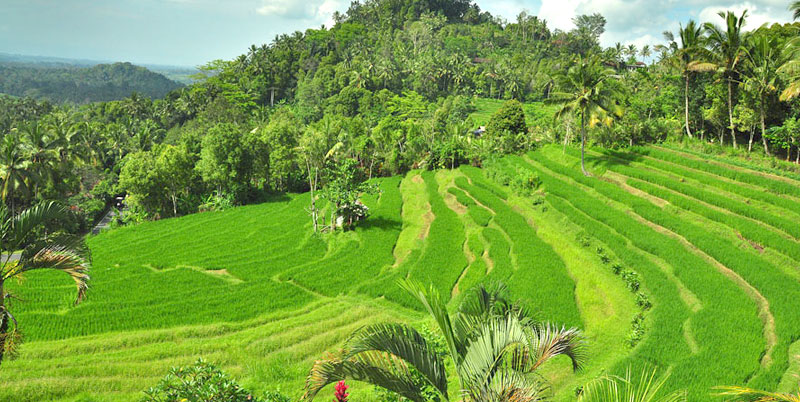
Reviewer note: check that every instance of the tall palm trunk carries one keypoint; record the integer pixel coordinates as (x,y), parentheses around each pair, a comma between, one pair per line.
(730,111)
(3,321)
(686,102)
(764,128)
(583,142)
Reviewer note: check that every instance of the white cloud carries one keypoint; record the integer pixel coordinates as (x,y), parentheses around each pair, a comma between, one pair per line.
(757,14)
(315,11)
(559,13)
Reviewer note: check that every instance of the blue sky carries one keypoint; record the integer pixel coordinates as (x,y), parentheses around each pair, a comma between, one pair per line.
(193,32)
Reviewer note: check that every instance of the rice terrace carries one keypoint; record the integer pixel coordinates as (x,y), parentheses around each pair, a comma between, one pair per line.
(419,201)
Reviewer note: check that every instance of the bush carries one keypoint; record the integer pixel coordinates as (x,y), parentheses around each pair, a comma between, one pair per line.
(510,118)
(202,382)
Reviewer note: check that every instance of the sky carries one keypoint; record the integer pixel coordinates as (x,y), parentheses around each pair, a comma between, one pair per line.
(194,32)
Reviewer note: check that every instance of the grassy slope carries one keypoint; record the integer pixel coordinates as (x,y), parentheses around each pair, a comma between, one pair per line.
(251,290)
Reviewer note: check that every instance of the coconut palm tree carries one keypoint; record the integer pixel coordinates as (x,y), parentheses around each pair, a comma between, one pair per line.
(728,46)
(646,388)
(494,345)
(688,57)
(14,169)
(795,9)
(748,394)
(763,58)
(584,90)
(61,253)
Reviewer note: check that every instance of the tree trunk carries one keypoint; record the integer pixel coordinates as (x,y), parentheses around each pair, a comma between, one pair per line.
(312,183)
(686,102)
(583,142)
(174,206)
(764,129)
(730,111)
(3,321)
(750,144)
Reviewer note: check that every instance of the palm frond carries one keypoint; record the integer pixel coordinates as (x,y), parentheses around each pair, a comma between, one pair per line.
(497,339)
(701,66)
(791,91)
(748,394)
(23,223)
(405,343)
(61,259)
(548,341)
(647,388)
(436,308)
(381,369)
(512,386)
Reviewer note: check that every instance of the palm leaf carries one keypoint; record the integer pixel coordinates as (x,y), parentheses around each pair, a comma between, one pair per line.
(498,338)
(433,304)
(647,388)
(748,394)
(61,259)
(22,224)
(405,343)
(381,369)
(548,341)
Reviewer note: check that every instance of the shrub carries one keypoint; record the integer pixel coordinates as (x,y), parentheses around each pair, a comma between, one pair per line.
(202,382)
(510,118)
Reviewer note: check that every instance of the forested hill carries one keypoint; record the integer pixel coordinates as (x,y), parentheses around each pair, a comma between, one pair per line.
(100,83)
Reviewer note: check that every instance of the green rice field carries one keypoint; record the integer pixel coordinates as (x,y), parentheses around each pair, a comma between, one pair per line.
(663,258)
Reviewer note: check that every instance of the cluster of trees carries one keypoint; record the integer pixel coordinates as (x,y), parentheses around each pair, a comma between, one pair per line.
(388,88)
(100,83)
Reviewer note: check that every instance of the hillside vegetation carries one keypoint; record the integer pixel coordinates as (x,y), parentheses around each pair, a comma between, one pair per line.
(665,258)
(100,83)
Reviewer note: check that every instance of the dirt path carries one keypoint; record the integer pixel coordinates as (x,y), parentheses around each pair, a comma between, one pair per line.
(730,166)
(764,313)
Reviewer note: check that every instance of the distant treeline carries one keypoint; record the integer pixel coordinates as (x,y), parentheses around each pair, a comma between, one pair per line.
(100,83)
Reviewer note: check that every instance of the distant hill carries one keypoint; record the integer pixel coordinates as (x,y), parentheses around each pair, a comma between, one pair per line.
(61,82)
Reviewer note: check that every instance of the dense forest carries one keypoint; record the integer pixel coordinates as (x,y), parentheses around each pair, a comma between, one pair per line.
(62,83)
(390,87)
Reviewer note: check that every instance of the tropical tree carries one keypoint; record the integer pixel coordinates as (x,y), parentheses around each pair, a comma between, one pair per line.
(494,345)
(585,91)
(648,387)
(728,46)
(14,169)
(60,253)
(688,57)
(764,57)
(795,9)
(790,70)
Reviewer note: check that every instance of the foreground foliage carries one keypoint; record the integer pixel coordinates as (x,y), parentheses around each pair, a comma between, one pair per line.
(38,252)
(495,345)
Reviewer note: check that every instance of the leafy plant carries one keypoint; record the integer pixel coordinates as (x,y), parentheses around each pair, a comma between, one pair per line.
(492,342)
(203,382)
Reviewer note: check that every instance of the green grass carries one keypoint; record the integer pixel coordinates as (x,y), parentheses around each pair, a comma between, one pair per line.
(253,290)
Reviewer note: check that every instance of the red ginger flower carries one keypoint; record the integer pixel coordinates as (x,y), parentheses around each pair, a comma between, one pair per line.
(341,392)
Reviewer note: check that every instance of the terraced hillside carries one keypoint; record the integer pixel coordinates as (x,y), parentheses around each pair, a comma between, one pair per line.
(662,258)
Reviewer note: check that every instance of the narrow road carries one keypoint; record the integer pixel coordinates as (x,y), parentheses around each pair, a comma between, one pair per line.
(106,221)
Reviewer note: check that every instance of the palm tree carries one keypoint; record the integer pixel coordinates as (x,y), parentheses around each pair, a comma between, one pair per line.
(494,345)
(646,388)
(14,169)
(688,57)
(795,9)
(728,45)
(764,58)
(60,253)
(645,52)
(748,394)
(589,95)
